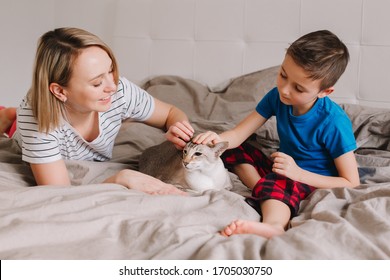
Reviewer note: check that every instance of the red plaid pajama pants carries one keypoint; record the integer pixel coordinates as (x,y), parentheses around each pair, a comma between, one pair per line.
(271,185)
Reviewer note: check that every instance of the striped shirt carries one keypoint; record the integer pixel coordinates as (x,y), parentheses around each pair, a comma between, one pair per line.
(129,102)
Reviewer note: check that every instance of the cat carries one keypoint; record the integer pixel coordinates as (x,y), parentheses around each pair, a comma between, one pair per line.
(198,167)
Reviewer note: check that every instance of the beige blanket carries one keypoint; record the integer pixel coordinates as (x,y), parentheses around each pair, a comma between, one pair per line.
(106,221)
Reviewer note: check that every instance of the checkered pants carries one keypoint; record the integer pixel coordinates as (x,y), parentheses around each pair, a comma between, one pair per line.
(271,185)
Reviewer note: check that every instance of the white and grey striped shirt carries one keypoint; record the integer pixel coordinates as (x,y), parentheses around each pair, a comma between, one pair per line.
(129,101)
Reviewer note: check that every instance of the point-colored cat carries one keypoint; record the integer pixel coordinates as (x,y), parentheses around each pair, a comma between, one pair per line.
(198,167)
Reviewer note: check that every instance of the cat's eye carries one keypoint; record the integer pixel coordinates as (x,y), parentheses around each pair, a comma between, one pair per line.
(198,154)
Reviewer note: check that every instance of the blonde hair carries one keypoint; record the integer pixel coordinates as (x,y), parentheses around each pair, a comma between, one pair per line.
(56,52)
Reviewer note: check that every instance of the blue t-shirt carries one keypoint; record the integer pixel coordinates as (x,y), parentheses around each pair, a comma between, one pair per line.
(314,139)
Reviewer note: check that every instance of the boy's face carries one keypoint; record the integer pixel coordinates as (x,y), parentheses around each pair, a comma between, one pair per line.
(296,88)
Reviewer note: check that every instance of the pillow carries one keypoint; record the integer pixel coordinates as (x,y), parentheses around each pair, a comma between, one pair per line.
(371,126)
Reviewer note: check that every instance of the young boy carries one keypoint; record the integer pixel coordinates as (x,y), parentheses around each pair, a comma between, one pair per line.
(316,137)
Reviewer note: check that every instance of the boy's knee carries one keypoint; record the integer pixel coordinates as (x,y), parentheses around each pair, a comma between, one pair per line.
(247,174)
(243,167)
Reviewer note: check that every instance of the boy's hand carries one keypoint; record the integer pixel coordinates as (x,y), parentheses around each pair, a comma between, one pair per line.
(207,137)
(180,133)
(285,165)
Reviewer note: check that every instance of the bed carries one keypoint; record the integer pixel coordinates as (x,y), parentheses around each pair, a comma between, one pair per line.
(91,220)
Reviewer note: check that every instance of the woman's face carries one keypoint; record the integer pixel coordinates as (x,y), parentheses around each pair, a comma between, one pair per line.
(92,83)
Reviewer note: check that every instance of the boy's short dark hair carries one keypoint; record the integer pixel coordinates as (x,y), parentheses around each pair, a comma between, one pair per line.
(322,55)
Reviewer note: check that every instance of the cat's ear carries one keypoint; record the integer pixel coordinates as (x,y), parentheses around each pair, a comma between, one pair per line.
(220,147)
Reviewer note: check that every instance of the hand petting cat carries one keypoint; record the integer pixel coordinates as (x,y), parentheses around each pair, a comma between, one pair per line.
(179,134)
(207,137)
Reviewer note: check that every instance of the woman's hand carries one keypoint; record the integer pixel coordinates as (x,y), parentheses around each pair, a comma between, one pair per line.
(285,165)
(138,181)
(180,133)
(207,137)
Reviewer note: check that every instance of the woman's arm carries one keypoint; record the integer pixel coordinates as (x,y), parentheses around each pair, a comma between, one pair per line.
(179,131)
(138,181)
(346,166)
(56,174)
(53,173)
(174,121)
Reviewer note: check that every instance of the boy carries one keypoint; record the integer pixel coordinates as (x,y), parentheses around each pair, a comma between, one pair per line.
(316,137)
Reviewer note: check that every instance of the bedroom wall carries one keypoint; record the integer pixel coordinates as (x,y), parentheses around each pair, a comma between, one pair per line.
(210,41)
(22,22)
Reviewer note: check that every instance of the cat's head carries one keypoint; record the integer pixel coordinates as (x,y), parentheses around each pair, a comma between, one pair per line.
(198,156)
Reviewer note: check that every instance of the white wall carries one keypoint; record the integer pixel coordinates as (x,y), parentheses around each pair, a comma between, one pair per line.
(182,37)
(213,40)
(22,22)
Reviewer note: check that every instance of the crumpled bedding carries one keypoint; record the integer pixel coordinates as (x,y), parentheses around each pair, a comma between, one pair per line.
(91,220)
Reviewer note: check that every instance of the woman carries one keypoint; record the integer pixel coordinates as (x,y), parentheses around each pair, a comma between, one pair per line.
(75,107)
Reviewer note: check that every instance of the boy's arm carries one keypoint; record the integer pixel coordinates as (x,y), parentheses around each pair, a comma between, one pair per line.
(346,166)
(235,136)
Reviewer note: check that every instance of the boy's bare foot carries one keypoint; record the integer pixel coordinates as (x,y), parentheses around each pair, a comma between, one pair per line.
(246,227)
(7,117)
